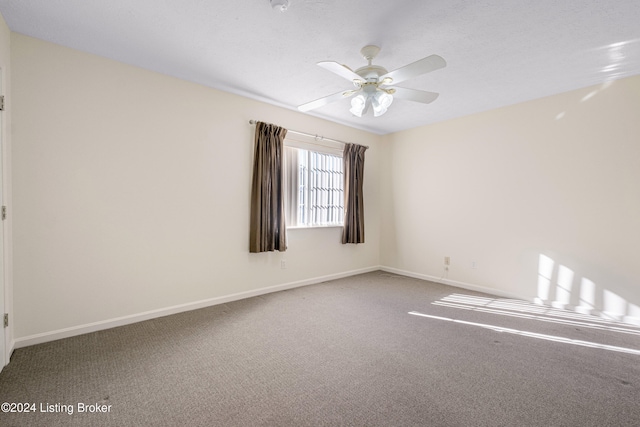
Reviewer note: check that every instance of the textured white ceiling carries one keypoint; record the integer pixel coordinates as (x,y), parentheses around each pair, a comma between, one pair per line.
(498,52)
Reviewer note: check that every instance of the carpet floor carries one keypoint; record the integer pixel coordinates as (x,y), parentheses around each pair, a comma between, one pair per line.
(375,349)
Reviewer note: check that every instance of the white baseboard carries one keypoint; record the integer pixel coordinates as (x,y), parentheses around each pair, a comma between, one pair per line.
(463,285)
(147,315)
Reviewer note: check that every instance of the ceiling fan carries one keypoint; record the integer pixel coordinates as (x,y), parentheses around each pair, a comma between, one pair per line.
(372,84)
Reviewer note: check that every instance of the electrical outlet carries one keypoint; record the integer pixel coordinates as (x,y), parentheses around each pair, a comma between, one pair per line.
(447,260)
(474,264)
(283,264)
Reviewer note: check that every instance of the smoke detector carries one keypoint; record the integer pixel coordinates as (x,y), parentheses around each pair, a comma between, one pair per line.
(280,5)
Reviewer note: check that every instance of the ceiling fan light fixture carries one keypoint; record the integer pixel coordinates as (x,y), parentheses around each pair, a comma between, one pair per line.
(280,5)
(380,102)
(357,105)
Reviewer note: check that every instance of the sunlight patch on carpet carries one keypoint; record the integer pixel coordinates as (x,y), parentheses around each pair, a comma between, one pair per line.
(534,334)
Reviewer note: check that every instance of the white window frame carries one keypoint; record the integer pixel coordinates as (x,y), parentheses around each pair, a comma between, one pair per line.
(314,184)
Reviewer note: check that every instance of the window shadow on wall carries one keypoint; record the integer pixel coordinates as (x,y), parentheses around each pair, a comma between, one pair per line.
(560,287)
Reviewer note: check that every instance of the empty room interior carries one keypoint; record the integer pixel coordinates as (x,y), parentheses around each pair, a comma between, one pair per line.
(476,266)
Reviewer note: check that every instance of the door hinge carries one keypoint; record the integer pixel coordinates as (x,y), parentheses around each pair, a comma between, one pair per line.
(6,320)
(4,213)
(1,102)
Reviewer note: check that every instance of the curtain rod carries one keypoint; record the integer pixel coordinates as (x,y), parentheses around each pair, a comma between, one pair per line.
(316,137)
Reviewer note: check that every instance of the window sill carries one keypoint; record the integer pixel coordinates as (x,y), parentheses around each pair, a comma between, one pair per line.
(304,227)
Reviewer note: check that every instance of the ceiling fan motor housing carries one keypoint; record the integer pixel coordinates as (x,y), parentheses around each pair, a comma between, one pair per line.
(371,73)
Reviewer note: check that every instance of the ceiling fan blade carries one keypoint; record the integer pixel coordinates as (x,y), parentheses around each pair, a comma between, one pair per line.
(422,66)
(341,70)
(414,95)
(326,100)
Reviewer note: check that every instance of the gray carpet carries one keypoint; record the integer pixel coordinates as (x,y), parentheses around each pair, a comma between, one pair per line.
(341,353)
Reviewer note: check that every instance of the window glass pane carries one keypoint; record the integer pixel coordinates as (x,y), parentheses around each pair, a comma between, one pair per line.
(320,189)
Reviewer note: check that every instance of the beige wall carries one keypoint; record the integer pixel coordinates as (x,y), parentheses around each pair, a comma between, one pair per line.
(536,193)
(132,193)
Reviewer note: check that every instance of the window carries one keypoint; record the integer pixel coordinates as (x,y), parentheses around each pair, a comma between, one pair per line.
(315,188)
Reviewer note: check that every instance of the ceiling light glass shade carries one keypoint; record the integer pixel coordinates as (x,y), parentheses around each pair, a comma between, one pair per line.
(380,102)
(357,105)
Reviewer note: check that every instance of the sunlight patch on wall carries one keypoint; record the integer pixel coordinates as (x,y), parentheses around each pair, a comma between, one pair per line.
(603,86)
(614,304)
(581,297)
(589,96)
(545,270)
(587,296)
(563,287)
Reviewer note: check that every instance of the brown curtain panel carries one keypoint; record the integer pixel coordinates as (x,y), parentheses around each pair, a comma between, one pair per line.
(353,230)
(268,230)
